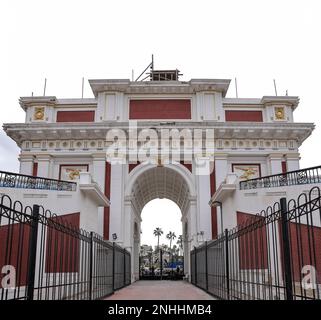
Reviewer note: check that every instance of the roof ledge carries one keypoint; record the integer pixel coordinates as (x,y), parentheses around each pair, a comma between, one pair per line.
(26,102)
(293,101)
(88,186)
(226,188)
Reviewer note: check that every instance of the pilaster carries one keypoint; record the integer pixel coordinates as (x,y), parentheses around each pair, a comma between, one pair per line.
(26,164)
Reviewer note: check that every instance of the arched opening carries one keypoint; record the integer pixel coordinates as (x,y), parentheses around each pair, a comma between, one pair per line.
(161,245)
(162,213)
(171,182)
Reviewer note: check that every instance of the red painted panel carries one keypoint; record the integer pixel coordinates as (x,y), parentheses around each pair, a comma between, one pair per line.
(160,109)
(253,247)
(35,169)
(107,194)
(284,167)
(132,166)
(235,115)
(304,241)
(14,249)
(187,165)
(213,209)
(62,249)
(75,116)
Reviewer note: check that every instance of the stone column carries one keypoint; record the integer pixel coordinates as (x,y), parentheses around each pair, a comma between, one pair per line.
(221,168)
(193,227)
(26,164)
(128,233)
(275,160)
(221,171)
(44,165)
(186,245)
(293,161)
(191,240)
(99,166)
(116,198)
(128,224)
(203,188)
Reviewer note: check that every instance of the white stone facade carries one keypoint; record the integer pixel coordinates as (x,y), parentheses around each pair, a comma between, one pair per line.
(270,142)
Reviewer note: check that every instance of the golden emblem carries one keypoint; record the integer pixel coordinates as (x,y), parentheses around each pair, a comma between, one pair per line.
(73,174)
(39,113)
(279,113)
(247,172)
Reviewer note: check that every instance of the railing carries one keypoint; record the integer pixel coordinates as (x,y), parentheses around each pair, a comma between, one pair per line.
(16,180)
(275,255)
(304,176)
(45,257)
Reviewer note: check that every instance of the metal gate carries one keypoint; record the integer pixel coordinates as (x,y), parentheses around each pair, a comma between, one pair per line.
(161,265)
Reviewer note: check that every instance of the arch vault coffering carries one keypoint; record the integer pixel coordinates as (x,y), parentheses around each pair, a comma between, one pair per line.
(160,182)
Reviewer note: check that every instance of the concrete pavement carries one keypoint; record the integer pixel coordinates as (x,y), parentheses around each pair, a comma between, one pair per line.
(160,290)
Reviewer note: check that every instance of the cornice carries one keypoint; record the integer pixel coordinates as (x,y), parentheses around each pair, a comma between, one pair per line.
(159,87)
(292,101)
(26,102)
(97,131)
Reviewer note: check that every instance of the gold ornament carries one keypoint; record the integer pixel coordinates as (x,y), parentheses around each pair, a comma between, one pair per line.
(279,113)
(39,113)
(247,172)
(73,174)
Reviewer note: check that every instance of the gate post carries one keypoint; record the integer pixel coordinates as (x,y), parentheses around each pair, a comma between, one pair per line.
(91,260)
(32,252)
(195,265)
(227,266)
(286,250)
(113,266)
(124,253)
(161,263)
(206,268)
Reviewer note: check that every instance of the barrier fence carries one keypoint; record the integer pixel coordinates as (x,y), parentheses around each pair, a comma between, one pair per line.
(274,255)
(290,178)
(18,180)
(47,257)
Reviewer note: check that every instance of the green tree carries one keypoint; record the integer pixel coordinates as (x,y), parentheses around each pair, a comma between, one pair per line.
(157,233)
(180,241)
(171,236)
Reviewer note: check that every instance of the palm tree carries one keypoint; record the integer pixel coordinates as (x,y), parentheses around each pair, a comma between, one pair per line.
(171,236)
(157,233)
(180,241)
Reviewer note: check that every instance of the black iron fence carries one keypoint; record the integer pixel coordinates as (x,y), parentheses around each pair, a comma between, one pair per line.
(17,180)
(161,265)
(46,257)
(297,177)
(274,255)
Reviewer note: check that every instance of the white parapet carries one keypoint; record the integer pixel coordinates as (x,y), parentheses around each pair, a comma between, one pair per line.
(86,200)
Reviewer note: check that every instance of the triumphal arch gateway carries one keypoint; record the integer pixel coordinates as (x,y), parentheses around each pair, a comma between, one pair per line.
(160,138)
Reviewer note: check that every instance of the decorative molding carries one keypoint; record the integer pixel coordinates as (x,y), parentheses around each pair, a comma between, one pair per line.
(93,136)
(279,113)
(98,147)
(39,113)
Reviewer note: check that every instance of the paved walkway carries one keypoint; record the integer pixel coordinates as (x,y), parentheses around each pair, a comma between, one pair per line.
(160,290)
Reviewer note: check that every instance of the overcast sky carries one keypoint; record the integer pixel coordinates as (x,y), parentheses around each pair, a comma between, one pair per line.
(255,41)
